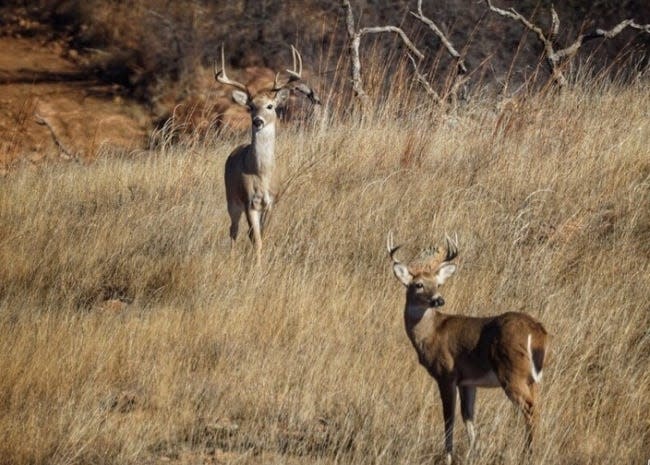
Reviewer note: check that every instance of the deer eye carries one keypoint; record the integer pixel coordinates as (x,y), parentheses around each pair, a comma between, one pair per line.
(270,106)
(419,285)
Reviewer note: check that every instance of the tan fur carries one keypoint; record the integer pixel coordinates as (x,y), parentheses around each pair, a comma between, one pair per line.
(249,172)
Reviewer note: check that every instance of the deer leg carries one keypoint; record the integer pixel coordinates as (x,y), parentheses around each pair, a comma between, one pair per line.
(235,216)
(266,214)
(467,399)
(255,233)
(531,420)
(448,396)
(523,396)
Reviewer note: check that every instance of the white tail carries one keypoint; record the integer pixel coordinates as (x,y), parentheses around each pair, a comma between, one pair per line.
(537,375)
(462,353)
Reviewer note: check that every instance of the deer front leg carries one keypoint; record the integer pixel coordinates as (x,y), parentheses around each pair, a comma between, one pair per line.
(266,212)
(253,217)
(467,399)
(447,390)
(235,216)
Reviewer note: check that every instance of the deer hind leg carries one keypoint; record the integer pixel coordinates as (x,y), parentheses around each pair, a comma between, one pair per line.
(467,400)
(523,395)
(255,232)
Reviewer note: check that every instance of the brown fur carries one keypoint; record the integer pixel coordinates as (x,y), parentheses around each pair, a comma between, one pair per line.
(463,353)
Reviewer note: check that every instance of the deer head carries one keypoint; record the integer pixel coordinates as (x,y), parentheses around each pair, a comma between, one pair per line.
(263,106)
(424,276)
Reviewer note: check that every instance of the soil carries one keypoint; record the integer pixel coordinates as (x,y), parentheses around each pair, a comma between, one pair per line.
(52,108)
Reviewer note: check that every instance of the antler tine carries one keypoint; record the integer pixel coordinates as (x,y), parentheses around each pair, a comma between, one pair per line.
(390,247)
(220,75)
(296,73)
(452,248)
(276,82)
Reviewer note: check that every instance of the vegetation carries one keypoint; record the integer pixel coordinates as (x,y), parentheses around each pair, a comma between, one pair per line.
(156,50)
(130,336)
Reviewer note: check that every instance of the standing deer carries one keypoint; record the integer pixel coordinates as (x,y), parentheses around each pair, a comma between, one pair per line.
(463,353)
(249,173)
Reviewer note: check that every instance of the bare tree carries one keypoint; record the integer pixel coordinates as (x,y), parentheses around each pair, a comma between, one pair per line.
(555,59)
(354,35)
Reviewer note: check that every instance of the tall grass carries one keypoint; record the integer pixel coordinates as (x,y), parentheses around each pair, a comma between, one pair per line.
(129,335)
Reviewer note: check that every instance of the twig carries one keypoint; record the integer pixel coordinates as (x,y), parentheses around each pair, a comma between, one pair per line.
(419,77)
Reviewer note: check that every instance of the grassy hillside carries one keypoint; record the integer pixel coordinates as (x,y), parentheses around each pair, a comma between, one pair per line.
(129,336)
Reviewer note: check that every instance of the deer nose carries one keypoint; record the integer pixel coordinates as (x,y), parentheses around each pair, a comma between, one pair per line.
(258,122)
(437,302)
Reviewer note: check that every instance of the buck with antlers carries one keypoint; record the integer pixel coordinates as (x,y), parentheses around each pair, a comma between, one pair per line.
(463,353)
(249,173)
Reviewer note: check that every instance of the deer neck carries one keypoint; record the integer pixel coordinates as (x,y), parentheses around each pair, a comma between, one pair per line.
(421,323)
(263,149)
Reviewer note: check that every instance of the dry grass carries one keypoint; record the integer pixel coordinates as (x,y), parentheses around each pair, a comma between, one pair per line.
(130,337)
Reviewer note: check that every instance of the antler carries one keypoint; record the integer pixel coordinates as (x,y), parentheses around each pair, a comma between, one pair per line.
(452,248)
(295,74)
(429,262)
(433,261)
(296,58)
(391,248)
(220,75)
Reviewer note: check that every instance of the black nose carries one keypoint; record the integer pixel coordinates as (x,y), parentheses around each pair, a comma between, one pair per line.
(258,122)
(437,302)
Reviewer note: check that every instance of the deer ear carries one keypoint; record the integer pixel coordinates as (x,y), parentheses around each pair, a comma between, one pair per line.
(281,97)
(240,97)
(444,272)
(402,273)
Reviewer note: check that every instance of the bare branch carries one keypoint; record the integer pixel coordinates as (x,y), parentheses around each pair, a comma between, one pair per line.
(355,35)
(355,41)
(398,31)
(419,77)
(462,69)
(512,14)
(553,57)
(641,27)
(555,24)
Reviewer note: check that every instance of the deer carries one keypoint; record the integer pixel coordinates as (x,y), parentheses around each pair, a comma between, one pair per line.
(463,353)
(249,174)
